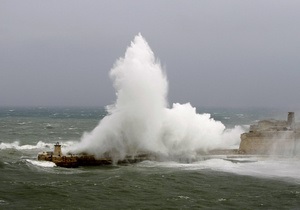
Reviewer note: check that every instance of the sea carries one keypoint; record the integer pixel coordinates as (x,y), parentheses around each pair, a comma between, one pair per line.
(216,183)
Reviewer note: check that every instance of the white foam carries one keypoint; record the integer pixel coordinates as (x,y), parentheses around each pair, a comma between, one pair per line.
(40,145)
(284,168)
(46,164)
(16,145)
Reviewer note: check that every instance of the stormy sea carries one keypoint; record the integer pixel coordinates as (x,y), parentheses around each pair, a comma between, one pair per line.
(141,120)
(26,183)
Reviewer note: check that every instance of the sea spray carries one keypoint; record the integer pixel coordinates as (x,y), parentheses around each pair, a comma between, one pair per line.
(140,119)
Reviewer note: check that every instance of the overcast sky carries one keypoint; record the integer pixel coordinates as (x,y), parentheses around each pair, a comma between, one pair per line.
(216,53)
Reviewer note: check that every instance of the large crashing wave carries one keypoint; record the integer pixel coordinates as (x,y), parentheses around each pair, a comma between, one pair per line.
(140,120)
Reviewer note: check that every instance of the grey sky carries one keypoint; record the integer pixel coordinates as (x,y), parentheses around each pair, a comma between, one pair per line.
(216,53)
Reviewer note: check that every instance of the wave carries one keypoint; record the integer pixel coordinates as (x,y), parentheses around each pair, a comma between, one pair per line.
(141,118)
(16,145)
(47,164)
(281,168)
(40,145)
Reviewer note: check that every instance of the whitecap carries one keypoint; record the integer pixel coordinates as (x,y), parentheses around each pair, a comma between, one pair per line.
(3,202)
(49,126)
(279,168)
(16,145)
(46,164)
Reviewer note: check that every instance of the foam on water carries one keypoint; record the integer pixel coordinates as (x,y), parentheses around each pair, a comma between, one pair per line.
(141,120)
(46,164)
(40,145)
(16,145)
(283,168)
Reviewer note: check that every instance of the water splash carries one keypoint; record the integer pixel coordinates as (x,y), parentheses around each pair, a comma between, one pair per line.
(140,119)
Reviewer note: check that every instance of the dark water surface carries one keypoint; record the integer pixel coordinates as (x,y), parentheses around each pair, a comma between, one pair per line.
(209,184)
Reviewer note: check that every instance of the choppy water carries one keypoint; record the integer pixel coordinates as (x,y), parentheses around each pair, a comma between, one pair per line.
(209,184)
